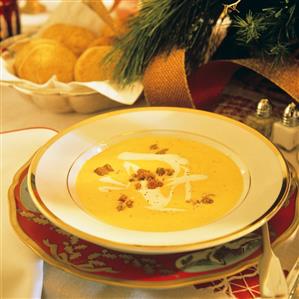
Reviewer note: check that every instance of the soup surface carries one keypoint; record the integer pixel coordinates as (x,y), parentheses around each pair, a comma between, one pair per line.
(159,183)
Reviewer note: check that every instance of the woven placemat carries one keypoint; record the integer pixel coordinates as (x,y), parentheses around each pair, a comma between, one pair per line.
(242,94)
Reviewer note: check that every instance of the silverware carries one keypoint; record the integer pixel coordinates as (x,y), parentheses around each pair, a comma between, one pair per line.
(272,279)
(293,279)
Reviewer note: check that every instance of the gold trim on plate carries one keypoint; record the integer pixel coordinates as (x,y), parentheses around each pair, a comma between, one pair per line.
(133,283)
(135,248)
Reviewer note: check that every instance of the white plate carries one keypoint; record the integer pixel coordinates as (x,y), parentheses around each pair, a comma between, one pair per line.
(54,169)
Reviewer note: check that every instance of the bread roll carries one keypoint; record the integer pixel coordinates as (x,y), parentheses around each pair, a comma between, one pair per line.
(40,59)
(90,66)
(75,38)
(102,41)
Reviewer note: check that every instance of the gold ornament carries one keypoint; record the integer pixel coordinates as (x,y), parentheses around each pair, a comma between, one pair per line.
(33,7)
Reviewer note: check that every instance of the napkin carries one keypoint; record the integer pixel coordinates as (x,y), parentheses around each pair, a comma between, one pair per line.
(21,270)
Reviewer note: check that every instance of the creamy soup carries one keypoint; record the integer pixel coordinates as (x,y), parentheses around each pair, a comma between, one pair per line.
(159,183)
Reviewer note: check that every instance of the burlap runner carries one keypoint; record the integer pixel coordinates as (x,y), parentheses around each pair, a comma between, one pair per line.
(166,83)
(285,76)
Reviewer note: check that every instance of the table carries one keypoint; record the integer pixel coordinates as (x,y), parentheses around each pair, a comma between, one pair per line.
(16,113)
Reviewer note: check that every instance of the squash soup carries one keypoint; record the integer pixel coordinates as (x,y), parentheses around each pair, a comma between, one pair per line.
(159,183)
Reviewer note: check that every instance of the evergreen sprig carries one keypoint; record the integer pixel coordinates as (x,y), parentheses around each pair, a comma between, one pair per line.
(268,28)
(271,32)
(161,26)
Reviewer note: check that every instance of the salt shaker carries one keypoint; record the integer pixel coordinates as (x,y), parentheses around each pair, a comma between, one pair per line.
(262,119)
(285,133)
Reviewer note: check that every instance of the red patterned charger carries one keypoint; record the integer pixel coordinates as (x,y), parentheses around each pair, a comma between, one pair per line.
(94,262)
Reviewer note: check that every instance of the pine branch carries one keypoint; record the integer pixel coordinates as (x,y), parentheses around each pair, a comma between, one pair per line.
(266,28)
(160,27)
(272,32)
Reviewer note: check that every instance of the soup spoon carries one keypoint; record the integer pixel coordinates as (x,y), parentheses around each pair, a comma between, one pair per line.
(272,279)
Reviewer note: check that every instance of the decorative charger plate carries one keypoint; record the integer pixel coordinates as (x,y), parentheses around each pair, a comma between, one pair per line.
(264,177)
(94,262)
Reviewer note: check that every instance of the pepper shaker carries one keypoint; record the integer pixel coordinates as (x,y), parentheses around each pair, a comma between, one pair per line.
(262,119)
(285,132)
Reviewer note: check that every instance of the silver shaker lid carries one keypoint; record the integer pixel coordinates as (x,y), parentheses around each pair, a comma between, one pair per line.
(290,116)
(264,108)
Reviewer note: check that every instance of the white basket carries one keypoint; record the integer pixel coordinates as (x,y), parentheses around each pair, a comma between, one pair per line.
(82,98)
(88,102)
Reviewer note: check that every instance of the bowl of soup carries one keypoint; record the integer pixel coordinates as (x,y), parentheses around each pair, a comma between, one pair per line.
(159,180)
(152,178)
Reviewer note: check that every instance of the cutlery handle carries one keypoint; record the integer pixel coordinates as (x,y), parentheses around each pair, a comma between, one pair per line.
(293,279)
(266,238)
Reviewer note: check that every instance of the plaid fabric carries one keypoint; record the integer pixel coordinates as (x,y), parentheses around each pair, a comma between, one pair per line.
(243,93)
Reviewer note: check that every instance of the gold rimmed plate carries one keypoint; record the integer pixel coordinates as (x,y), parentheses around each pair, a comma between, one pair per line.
(201,148)
(91,261)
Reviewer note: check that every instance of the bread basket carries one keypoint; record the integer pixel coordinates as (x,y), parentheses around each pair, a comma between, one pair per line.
(59,97)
